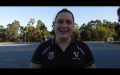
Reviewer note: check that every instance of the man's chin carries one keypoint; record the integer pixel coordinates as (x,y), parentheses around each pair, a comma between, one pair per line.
(63,37)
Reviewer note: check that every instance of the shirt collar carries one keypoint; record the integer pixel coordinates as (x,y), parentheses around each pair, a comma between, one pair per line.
(54,42)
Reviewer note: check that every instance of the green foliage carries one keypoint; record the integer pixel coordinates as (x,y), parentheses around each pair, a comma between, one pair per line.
(94,34)
(41,25)
(76,34)
(0,39)
(92,31)
(39,36)
(45,32)
(52,32)
(12,30)
(76,26)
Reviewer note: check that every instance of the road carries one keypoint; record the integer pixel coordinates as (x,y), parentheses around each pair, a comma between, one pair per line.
(19,56)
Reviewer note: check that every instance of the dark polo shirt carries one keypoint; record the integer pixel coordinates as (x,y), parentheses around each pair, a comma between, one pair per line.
(50,55)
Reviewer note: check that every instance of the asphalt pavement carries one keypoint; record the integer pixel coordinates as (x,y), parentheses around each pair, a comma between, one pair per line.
(19,55)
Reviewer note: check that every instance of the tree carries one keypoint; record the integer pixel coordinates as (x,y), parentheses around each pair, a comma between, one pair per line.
(85,35)
(102,33)
(39,36)
(12,31)
(83,27)
(76,26)
(31,22)
(1,33)
(93,30)
(98,23)
(52,32)
(53,24)
(76,34)
(88,34)
(30,29)
(104,23)
(44,33)
(94,34)
(1,28)
(21,32)
(15,28)
(41,25)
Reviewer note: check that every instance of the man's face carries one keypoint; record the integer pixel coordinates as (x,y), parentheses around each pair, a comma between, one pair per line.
(64,25)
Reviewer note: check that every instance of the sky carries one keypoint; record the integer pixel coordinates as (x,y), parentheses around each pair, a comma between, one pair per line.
(82,14)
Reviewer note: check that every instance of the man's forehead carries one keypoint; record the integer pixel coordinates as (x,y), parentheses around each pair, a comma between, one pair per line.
(65,16)
(64,19)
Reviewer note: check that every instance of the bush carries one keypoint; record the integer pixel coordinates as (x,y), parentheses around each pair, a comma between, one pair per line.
(0,39)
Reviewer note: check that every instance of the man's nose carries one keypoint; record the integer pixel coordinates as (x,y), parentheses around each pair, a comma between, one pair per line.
(64,24)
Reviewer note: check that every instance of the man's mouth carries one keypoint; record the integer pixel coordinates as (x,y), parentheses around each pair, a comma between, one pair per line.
(63,30)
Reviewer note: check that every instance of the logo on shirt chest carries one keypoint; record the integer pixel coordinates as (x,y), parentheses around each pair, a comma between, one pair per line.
(76,56)
(51,55)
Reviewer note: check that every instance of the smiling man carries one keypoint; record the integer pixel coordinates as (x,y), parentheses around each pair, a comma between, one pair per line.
(63,51)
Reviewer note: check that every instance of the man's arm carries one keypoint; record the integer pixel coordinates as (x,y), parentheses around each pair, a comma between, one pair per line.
(90,61)
(93,66)
(33,65)
(36,60)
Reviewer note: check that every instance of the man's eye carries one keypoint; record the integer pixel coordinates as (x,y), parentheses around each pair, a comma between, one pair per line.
(60,21)
(69,22)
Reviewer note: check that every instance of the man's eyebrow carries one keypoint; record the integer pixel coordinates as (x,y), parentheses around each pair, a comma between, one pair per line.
(62,19)
(68,20)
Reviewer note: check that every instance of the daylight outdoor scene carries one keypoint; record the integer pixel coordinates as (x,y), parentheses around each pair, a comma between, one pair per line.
(23,29)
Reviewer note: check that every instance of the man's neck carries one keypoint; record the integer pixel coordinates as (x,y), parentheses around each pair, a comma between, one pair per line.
(63,41)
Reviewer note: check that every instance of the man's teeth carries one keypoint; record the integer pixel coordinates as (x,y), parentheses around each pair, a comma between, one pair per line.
(63,31)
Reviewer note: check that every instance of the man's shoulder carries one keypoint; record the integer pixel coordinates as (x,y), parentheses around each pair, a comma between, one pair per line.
(80,42)
(45,44)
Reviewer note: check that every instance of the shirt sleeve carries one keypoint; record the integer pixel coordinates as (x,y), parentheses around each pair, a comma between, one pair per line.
(89,56)
(37,56)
